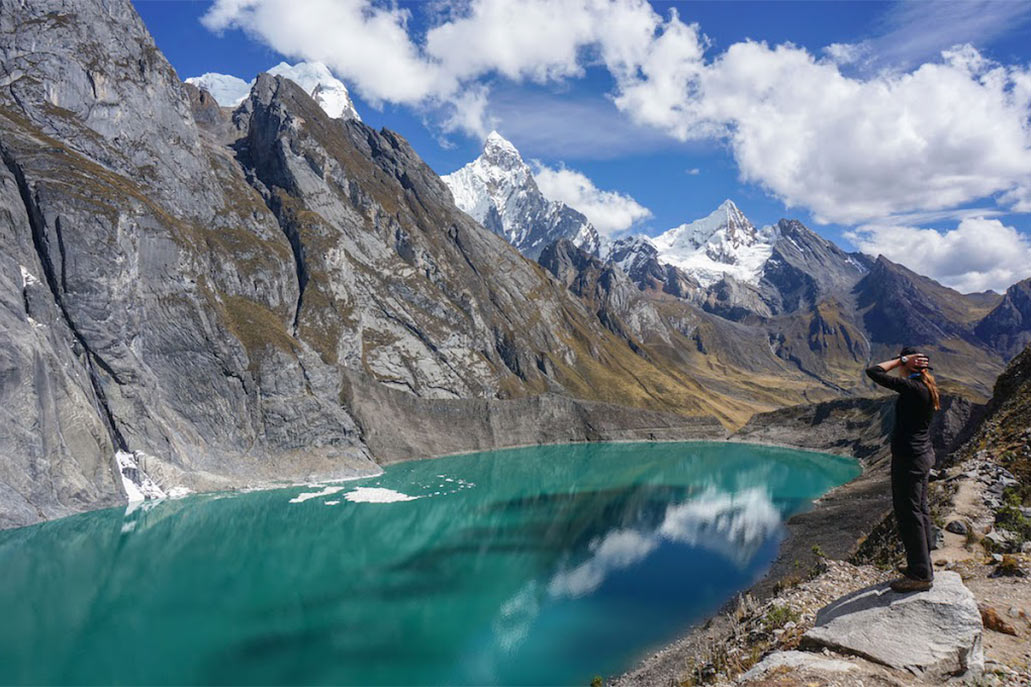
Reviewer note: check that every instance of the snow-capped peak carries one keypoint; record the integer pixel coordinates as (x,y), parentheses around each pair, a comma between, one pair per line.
(498,190)
(327,90)
(227,90)
(499,151)
(724,242)
(314,77)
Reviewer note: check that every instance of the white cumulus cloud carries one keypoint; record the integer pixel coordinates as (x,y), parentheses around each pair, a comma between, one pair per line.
(609,211)
(978,254)
(948,129)
(848,149)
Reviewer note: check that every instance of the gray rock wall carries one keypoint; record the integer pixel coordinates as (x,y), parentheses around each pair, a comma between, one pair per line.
(398,426)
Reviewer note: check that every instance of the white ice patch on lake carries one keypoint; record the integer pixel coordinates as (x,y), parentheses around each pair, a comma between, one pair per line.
(328,491)
(377,495)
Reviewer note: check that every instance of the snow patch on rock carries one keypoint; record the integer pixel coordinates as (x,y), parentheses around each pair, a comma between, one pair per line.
(137,485)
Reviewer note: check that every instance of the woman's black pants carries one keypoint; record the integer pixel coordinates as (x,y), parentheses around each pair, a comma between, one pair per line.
(909,497)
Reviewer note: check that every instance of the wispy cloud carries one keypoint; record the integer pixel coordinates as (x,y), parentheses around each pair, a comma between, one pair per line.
(583,128)
(915,32)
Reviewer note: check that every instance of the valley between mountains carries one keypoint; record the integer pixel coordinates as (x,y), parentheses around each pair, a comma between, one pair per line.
(274,291)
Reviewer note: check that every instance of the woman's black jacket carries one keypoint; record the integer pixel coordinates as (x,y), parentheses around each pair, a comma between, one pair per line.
(914,409)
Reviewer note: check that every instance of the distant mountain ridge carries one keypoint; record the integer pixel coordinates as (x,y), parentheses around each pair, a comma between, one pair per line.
(815,307)
(314,77)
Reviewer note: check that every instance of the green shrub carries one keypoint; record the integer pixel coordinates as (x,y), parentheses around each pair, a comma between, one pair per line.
(778,616)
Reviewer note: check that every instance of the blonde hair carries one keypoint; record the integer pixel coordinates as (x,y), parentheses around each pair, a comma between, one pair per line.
(932,386)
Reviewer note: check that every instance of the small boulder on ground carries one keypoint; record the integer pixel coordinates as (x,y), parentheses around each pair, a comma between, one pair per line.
(993,621)
(957,527)
(938,538)
(932,634)
(798,660)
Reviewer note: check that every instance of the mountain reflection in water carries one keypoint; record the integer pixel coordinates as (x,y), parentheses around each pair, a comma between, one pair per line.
(543,565)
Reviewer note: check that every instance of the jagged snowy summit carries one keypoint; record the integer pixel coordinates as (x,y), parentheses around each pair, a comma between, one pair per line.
(314,77)
(724,242)
(498,190)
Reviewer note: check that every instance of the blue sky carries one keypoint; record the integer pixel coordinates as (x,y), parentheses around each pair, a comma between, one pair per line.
(586,112)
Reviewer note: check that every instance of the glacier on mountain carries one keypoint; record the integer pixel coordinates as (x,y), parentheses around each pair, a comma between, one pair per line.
(314,77)
(723,243)
(498,190)
(226,89)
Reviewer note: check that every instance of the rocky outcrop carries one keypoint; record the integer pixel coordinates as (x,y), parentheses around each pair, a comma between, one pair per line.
(933,634)
(803,666)
(859,427)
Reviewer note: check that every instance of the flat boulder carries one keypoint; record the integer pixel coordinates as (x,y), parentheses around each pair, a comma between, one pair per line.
(797,661)
(931,634)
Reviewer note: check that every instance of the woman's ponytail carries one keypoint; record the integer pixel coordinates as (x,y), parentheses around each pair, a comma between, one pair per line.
(928,379)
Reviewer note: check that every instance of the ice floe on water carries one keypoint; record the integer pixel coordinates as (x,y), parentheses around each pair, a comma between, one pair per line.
(328,491)
(377,495)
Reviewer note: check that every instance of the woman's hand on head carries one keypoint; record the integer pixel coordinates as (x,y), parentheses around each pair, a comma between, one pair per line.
(917,362)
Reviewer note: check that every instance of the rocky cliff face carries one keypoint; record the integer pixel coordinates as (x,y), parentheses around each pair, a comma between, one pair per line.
(156,283)
(204,292)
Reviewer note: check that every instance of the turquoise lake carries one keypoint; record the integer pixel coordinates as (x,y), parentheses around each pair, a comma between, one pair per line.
(532,566)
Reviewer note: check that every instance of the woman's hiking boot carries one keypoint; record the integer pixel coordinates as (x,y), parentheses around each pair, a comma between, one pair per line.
(911,584)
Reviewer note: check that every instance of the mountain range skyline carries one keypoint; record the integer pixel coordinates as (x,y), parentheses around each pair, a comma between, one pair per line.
(600,141)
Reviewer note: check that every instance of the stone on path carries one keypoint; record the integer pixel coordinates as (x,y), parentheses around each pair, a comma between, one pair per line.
(798,660)
(957,527)
(931,634)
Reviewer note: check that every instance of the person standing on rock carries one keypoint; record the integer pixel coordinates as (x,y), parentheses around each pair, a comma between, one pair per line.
(912,458)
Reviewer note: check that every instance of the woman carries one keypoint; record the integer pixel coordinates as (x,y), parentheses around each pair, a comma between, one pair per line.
(912,458)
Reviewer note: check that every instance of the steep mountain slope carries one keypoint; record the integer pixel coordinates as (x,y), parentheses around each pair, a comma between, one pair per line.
(155,280)
(497,189)
(1007,328)
(737,363)
(212,311)
(901,305)
(804,267)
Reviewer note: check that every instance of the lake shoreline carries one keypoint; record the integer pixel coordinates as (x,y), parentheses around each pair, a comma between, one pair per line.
(838,522)
(859,505)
